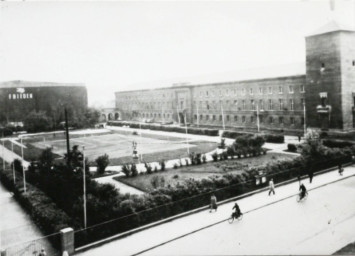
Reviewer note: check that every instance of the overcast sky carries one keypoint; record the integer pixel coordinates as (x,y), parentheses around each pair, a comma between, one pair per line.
(112,46)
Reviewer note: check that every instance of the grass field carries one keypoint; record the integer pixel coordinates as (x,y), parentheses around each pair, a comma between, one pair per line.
(118,145)
(173,176)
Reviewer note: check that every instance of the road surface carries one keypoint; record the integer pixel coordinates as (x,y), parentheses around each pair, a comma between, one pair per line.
(271,225)
(320,225)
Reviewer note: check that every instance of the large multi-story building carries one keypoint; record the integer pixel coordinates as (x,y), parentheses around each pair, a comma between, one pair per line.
(323,97)
(19,98)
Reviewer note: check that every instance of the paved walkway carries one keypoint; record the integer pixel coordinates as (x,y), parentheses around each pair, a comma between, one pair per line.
(161,234)
(10,156)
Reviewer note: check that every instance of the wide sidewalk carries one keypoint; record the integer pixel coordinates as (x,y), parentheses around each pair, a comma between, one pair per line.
(161,234)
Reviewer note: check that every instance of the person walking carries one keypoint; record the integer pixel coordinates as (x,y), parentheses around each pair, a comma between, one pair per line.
(213,205)
(310,175)
(341,169)
(42,253)
(271,187)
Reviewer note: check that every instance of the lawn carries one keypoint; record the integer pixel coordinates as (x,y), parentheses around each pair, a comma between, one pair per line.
(118,145)
(174,176)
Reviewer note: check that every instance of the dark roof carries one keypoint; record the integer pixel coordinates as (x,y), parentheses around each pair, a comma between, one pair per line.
(20,83)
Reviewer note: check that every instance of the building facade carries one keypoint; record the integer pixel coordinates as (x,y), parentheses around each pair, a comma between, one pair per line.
(323,97)
(19,98)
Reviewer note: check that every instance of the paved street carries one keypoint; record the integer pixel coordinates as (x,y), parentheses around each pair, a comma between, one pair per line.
(270,226)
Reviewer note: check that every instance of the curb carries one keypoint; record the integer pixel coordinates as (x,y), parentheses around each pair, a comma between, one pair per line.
(133,231)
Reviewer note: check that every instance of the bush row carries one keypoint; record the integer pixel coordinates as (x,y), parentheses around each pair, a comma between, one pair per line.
(274,138)
(337,144)
(267,137)
(199,131)
(234,135)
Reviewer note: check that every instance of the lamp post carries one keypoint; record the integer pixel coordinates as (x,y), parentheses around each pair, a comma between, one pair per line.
(257,117)
(13,166)
(198,116)
(3,152)
(304,118)
(84,184)
(187,140)
(23,168)
(222,116)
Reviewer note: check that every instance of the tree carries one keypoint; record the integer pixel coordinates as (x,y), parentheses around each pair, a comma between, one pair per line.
(37,122)
(102,162)
(47,157)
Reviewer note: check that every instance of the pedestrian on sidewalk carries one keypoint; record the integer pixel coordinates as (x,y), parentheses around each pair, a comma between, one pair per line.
(213,205)
(42,253)
(310,175)
(340,169)
(299,178)
(271,187)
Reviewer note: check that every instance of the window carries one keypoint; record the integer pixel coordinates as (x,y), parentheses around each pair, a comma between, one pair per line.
(281,90)
(207,105)
(271,120)
(353,62)
(290,89)
(226,92)
(181,105)
(281,119)
(168,115)
(227,118)
(206,93)
(214,117)
(235,92)
(302,89)
(243,119)
(159,115)
(207,117)
(243,104)
(261,104)
(201,117)
(323,65)
(291,104)
(270,90)
(227,103)
(261,119)
(251,91)
(236,102)
(200,94)
(302,120)
(243,91)
(302,102)
(220,117)
(281,104)
(220,93)
(195,117)
(260,90)
(252,119)
(270,104)
(292,120)
(252,103)
(235,118)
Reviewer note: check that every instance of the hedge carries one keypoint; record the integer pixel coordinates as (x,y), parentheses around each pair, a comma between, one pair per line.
(274,138)
(194,130)
(234,135)
(337,144)
(291,147)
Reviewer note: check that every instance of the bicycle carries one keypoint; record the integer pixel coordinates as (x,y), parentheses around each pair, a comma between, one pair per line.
(299,199)
(233,216)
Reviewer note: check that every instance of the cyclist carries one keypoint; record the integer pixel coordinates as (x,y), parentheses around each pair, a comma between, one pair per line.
(237,211)
(303,191)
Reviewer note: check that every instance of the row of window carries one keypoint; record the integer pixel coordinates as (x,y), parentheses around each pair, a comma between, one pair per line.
(253,105)
(250,91)
(243,119)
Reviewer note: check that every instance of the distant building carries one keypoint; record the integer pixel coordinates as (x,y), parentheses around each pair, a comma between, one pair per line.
(326,91)
(19,98)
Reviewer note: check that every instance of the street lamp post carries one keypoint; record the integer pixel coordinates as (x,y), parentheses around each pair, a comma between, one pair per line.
(23,168)
(3,152)
(13,166)
(222,116)
(84,184)
(304,118)
(187,140)
(257,117)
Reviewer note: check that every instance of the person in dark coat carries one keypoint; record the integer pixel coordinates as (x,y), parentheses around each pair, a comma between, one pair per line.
(310,175)
(213,203)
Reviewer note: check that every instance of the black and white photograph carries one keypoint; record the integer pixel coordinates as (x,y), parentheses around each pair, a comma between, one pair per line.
(177,127)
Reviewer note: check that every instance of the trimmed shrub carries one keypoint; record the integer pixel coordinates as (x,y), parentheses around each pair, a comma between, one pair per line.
(291,147)
(274,138)
(134,170)
(148,168)
(126,170)
(102,162)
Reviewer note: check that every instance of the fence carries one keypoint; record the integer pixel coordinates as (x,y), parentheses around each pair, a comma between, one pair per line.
(226,188)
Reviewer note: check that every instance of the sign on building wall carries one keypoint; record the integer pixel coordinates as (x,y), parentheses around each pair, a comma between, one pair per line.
(20,94)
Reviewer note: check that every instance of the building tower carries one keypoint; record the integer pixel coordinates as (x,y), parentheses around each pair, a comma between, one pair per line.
(330,78)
